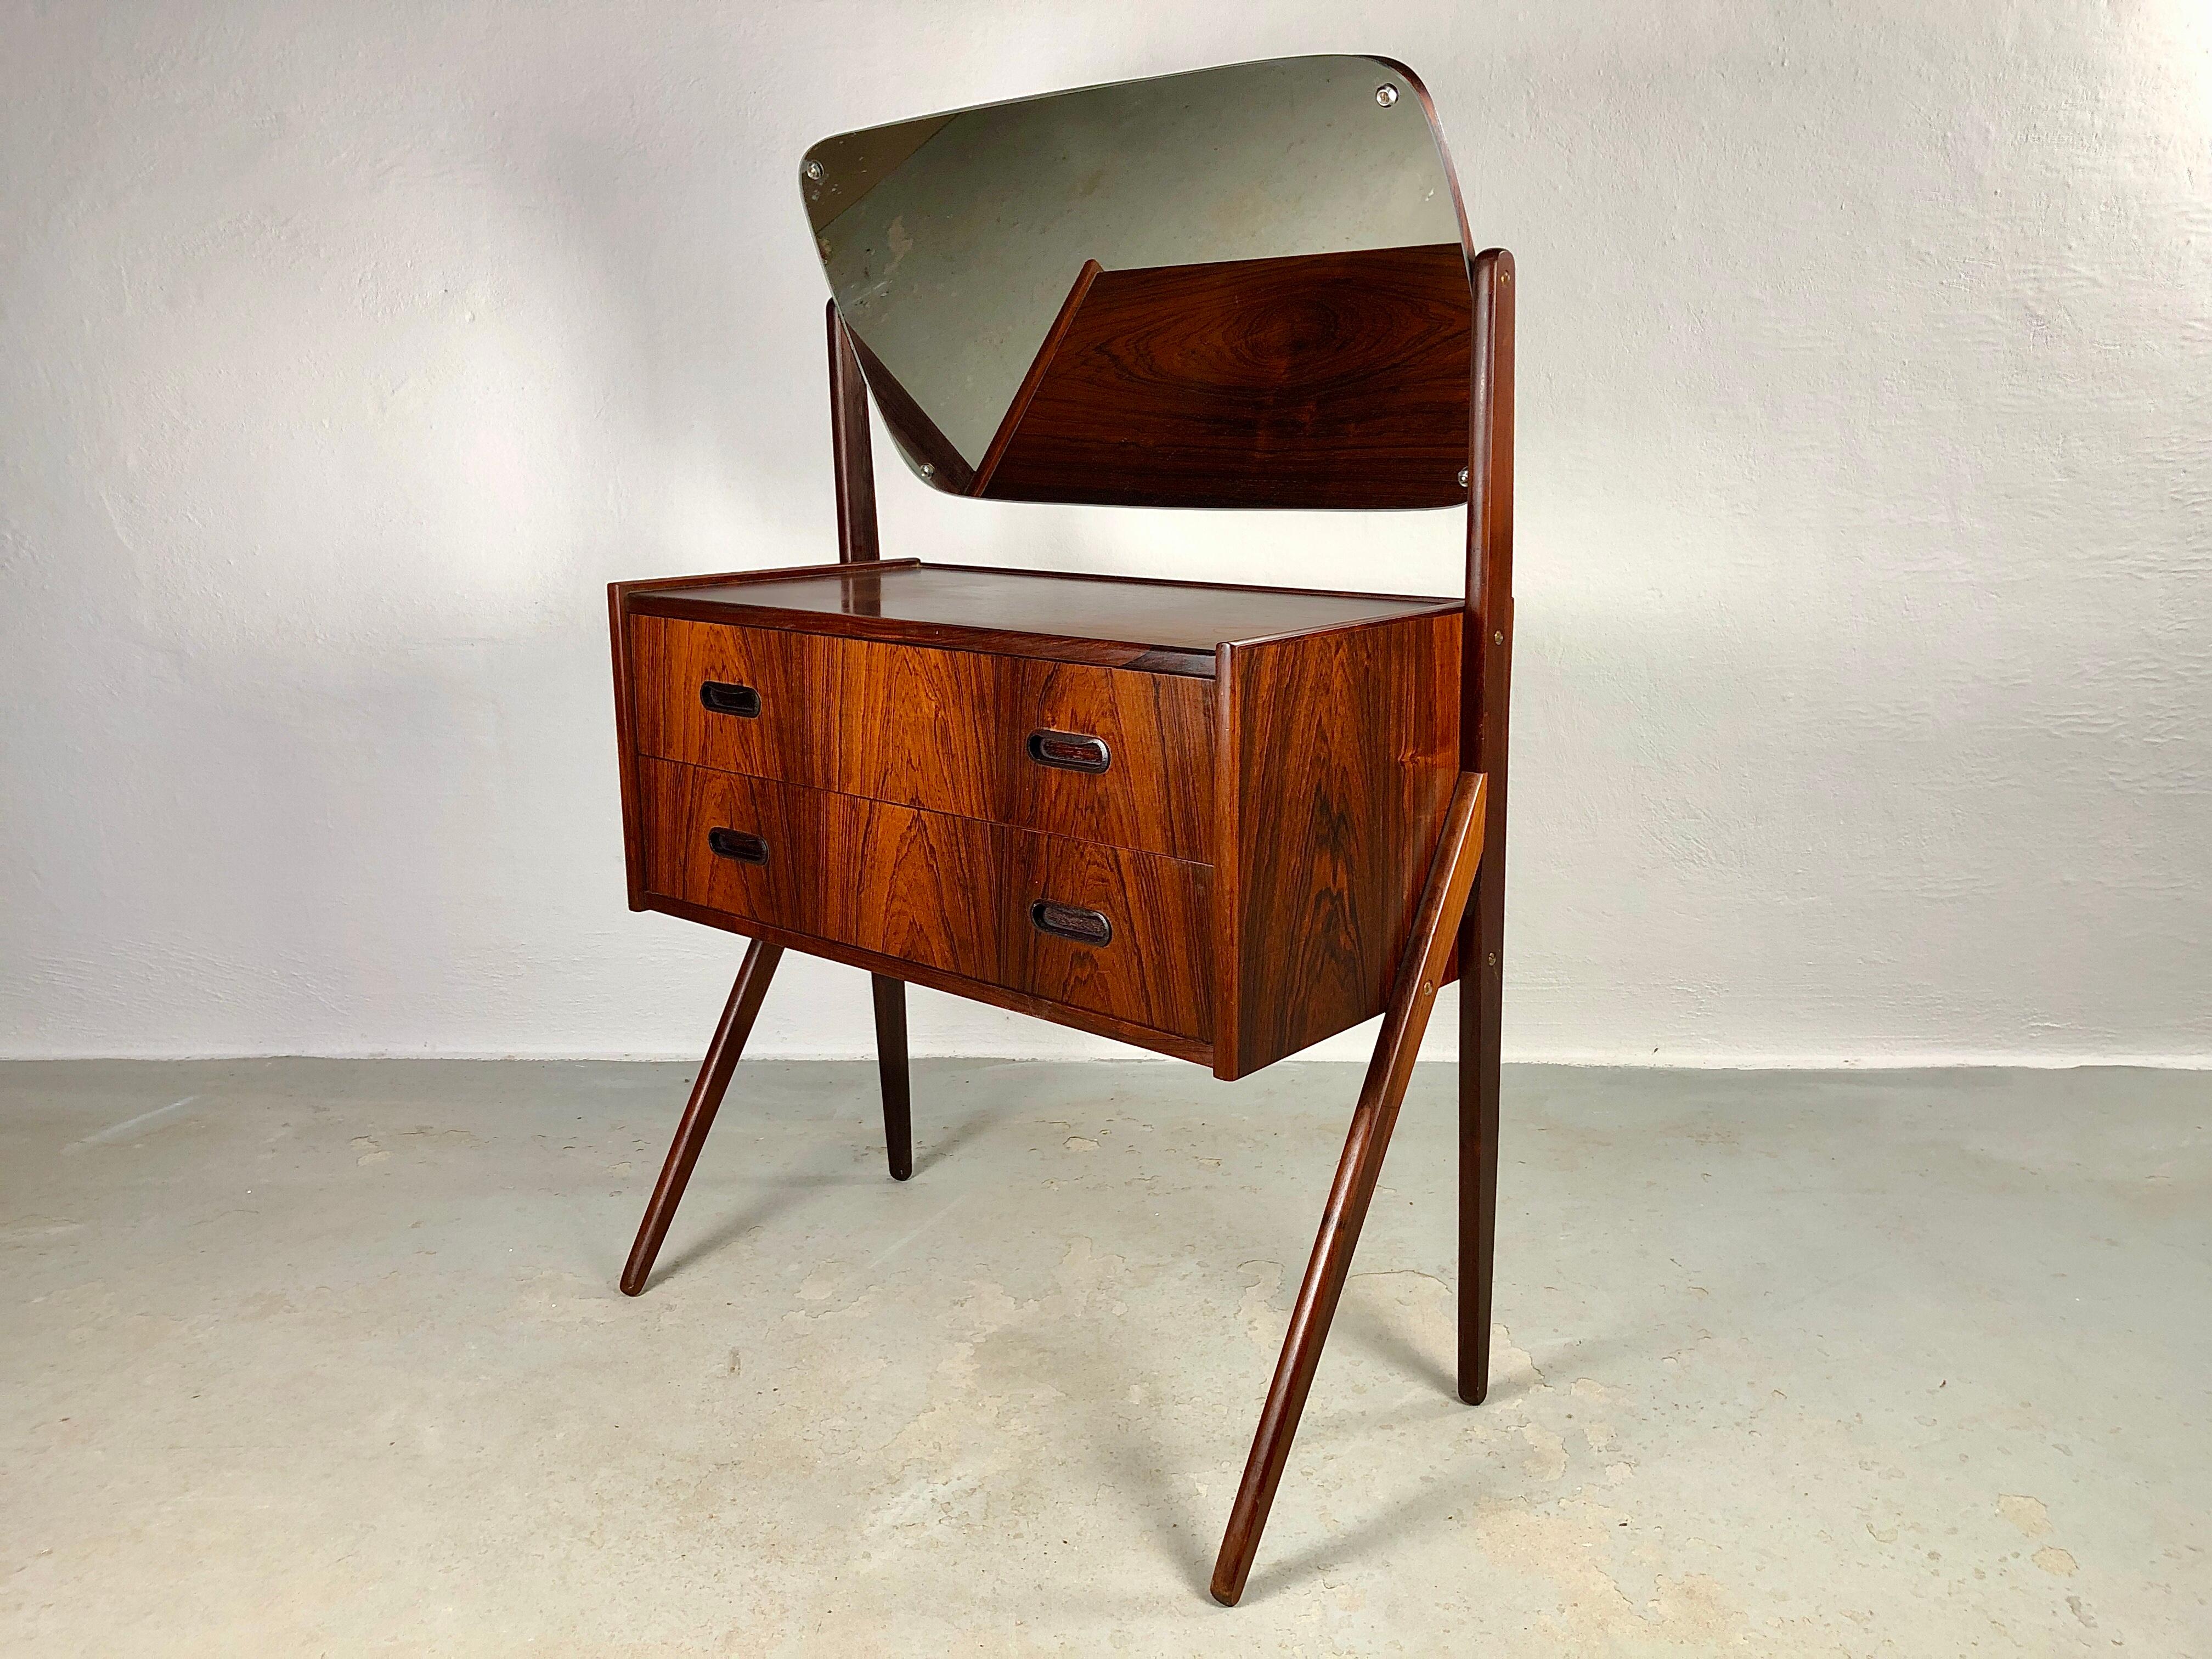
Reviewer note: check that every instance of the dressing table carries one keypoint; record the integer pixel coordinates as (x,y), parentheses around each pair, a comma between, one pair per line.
(1217,821)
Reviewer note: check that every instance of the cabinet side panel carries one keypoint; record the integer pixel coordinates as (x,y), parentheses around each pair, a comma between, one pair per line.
(626,744)
(1228,905)
(1348,748)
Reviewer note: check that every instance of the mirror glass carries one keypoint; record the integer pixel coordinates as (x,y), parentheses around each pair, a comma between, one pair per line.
(1114,295)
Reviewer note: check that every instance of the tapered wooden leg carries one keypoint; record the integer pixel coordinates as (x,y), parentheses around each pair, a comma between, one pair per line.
(890,1061)
(1481,991)
(1442,903)
(706,1092)
(1482,951)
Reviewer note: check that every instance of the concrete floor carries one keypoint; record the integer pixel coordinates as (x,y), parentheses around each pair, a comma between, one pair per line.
(325,1357)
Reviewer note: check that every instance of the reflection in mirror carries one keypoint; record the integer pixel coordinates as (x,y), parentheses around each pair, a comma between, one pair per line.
(1241,287)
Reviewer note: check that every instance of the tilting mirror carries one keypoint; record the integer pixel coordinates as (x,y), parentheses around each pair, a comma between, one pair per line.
(1244,286)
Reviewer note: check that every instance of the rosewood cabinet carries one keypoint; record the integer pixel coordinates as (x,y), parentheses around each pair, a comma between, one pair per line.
(1195,818)
(1217,821)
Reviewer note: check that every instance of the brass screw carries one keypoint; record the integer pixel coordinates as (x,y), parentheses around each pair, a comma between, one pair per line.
(1428,989)
(1498,638)
(1493,959)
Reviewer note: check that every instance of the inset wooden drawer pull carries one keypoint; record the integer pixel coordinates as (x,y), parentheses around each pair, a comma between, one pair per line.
(740,700)
(739,844)
(1071,751)
(1067,922)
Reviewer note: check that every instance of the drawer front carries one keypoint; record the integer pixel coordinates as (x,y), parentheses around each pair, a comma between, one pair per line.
(688,809)
(921,886)
(1157,733)
(783,731)
(1128,935)
(1151,968)
(1108,755)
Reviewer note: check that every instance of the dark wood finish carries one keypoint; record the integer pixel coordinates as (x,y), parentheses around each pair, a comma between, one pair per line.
(890,1062)
(619,596)
(793,738)
(924,727)
(1483,710)
(866,623)
(1153,972)
(706,1091)
(1319,380)
(935,891)
(1156,792)
(919,887)
(1010,420)
(683,805)
(1028,613)
(1443,899)
(946,730)
(626,742)
(976,990)
(910,424)
(853,459)
(631,592)
(852,455)
(1300,754)
(1345,752)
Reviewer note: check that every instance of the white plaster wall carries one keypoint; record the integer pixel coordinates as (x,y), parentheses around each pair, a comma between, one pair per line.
(1864,703)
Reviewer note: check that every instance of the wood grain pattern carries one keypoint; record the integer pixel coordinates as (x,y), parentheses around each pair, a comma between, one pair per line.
(1153,972)
(1318,380)
(927,728)
(793,738)
(683,803)
(920,887)
(1031,613)
(900,883)
(945,730)
(1158,793)
(1346,752)
(852,457)
(976,990)
(1226,932)
(926,890)
(626,744)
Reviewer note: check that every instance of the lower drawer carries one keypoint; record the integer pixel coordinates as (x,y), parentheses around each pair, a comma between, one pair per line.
(1107,929)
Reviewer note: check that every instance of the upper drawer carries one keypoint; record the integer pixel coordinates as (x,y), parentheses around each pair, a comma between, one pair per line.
(1108,755)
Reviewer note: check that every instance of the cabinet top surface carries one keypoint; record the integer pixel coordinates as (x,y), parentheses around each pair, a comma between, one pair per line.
(1164,616)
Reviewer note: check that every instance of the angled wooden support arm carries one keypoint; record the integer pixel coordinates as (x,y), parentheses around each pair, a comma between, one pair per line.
(1444,901)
